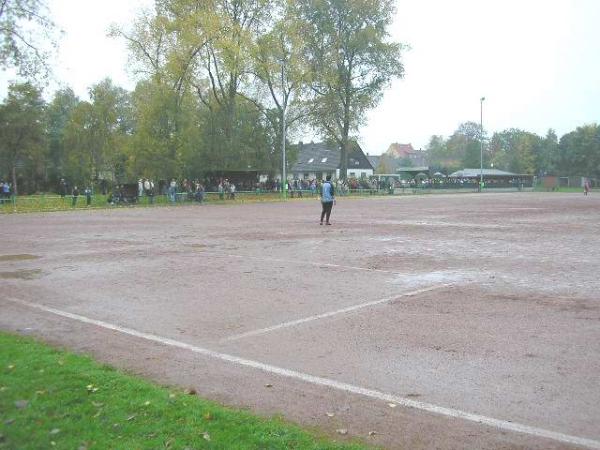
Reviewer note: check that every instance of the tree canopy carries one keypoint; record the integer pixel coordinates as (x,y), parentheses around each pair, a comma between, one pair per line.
(27,36)
(219,85)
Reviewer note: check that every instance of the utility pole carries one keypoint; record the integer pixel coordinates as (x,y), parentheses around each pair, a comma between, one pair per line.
(283,171)
(481,142)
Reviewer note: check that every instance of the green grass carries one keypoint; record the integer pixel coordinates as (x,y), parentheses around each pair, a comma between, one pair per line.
(55,399)
(41,203)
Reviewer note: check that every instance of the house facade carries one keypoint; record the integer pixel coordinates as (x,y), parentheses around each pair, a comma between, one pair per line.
(407,152)
(320,159)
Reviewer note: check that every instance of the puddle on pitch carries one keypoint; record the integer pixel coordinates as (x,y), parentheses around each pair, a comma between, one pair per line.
(430,278)
(23,274)
(4,258)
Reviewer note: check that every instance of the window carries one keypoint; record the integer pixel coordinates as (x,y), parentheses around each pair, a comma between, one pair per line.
(363,174)
(311,160)
(352,174)
(324,160)
(306,176)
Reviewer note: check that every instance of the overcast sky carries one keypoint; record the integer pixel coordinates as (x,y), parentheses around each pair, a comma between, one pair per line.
(537,63)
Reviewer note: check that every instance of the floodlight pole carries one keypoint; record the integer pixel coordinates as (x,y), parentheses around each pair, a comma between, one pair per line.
(283,171)
(481,142)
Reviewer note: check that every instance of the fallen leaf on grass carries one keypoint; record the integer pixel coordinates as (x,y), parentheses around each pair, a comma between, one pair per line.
(20,404)
(98,404)
(342,431)
(146,403)
(172,396)
(3,388)
(208,416)
(9,421)
(55,431)
(190,391)
(40,392)
(206,436)
(130,418)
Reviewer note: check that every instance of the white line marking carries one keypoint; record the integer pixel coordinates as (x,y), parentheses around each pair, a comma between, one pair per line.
(320,381)
(329,314)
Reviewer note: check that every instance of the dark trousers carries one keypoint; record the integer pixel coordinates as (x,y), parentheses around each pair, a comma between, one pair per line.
(326,212)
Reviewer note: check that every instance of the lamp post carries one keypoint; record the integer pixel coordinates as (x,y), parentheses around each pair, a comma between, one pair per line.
(481,142)
(283,168)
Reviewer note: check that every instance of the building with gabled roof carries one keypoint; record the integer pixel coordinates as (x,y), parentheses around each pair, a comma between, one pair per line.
(319,159)
(407,152)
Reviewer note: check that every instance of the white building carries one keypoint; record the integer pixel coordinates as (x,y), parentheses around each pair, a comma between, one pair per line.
(319,159)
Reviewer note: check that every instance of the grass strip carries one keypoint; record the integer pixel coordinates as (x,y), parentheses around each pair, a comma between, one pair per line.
(55,399)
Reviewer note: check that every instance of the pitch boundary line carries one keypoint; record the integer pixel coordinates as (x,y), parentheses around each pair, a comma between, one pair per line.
(329,314)
(326,382)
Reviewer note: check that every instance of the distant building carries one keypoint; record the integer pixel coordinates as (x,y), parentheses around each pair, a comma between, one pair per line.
(406,152)
(374,160)
(493,177)
(319,159)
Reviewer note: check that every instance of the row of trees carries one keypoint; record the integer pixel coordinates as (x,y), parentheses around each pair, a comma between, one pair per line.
(220,82)
(576,153)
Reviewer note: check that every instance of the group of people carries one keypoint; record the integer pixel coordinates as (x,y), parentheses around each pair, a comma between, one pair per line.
(226,187)
(5,190)
(146,187)
(63,189)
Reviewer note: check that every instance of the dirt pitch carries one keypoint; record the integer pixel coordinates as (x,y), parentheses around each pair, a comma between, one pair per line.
(476,316)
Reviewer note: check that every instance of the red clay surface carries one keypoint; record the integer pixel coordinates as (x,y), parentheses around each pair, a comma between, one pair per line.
(504,321)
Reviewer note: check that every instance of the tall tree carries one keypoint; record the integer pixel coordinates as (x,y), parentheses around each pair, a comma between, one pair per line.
(441,157)
(580,151)
(547,157)
(224,64)
(514,150)
(58,113)
(203,48)
(347,44)
(282,72)
(27,36)
(96,137)
(22,130)
(465,145)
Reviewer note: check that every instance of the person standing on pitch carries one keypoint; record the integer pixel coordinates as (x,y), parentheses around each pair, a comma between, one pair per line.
(327,200)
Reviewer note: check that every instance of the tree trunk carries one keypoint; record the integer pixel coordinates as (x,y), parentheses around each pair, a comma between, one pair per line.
(344,158)
(344,146)
(14,179)
(345,133)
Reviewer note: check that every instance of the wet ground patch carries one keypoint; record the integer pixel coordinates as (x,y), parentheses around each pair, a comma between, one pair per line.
(22,274)
(4,258)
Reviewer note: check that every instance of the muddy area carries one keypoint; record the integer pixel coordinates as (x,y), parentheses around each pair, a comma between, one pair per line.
(22,274)
(11,258)
(509,330)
